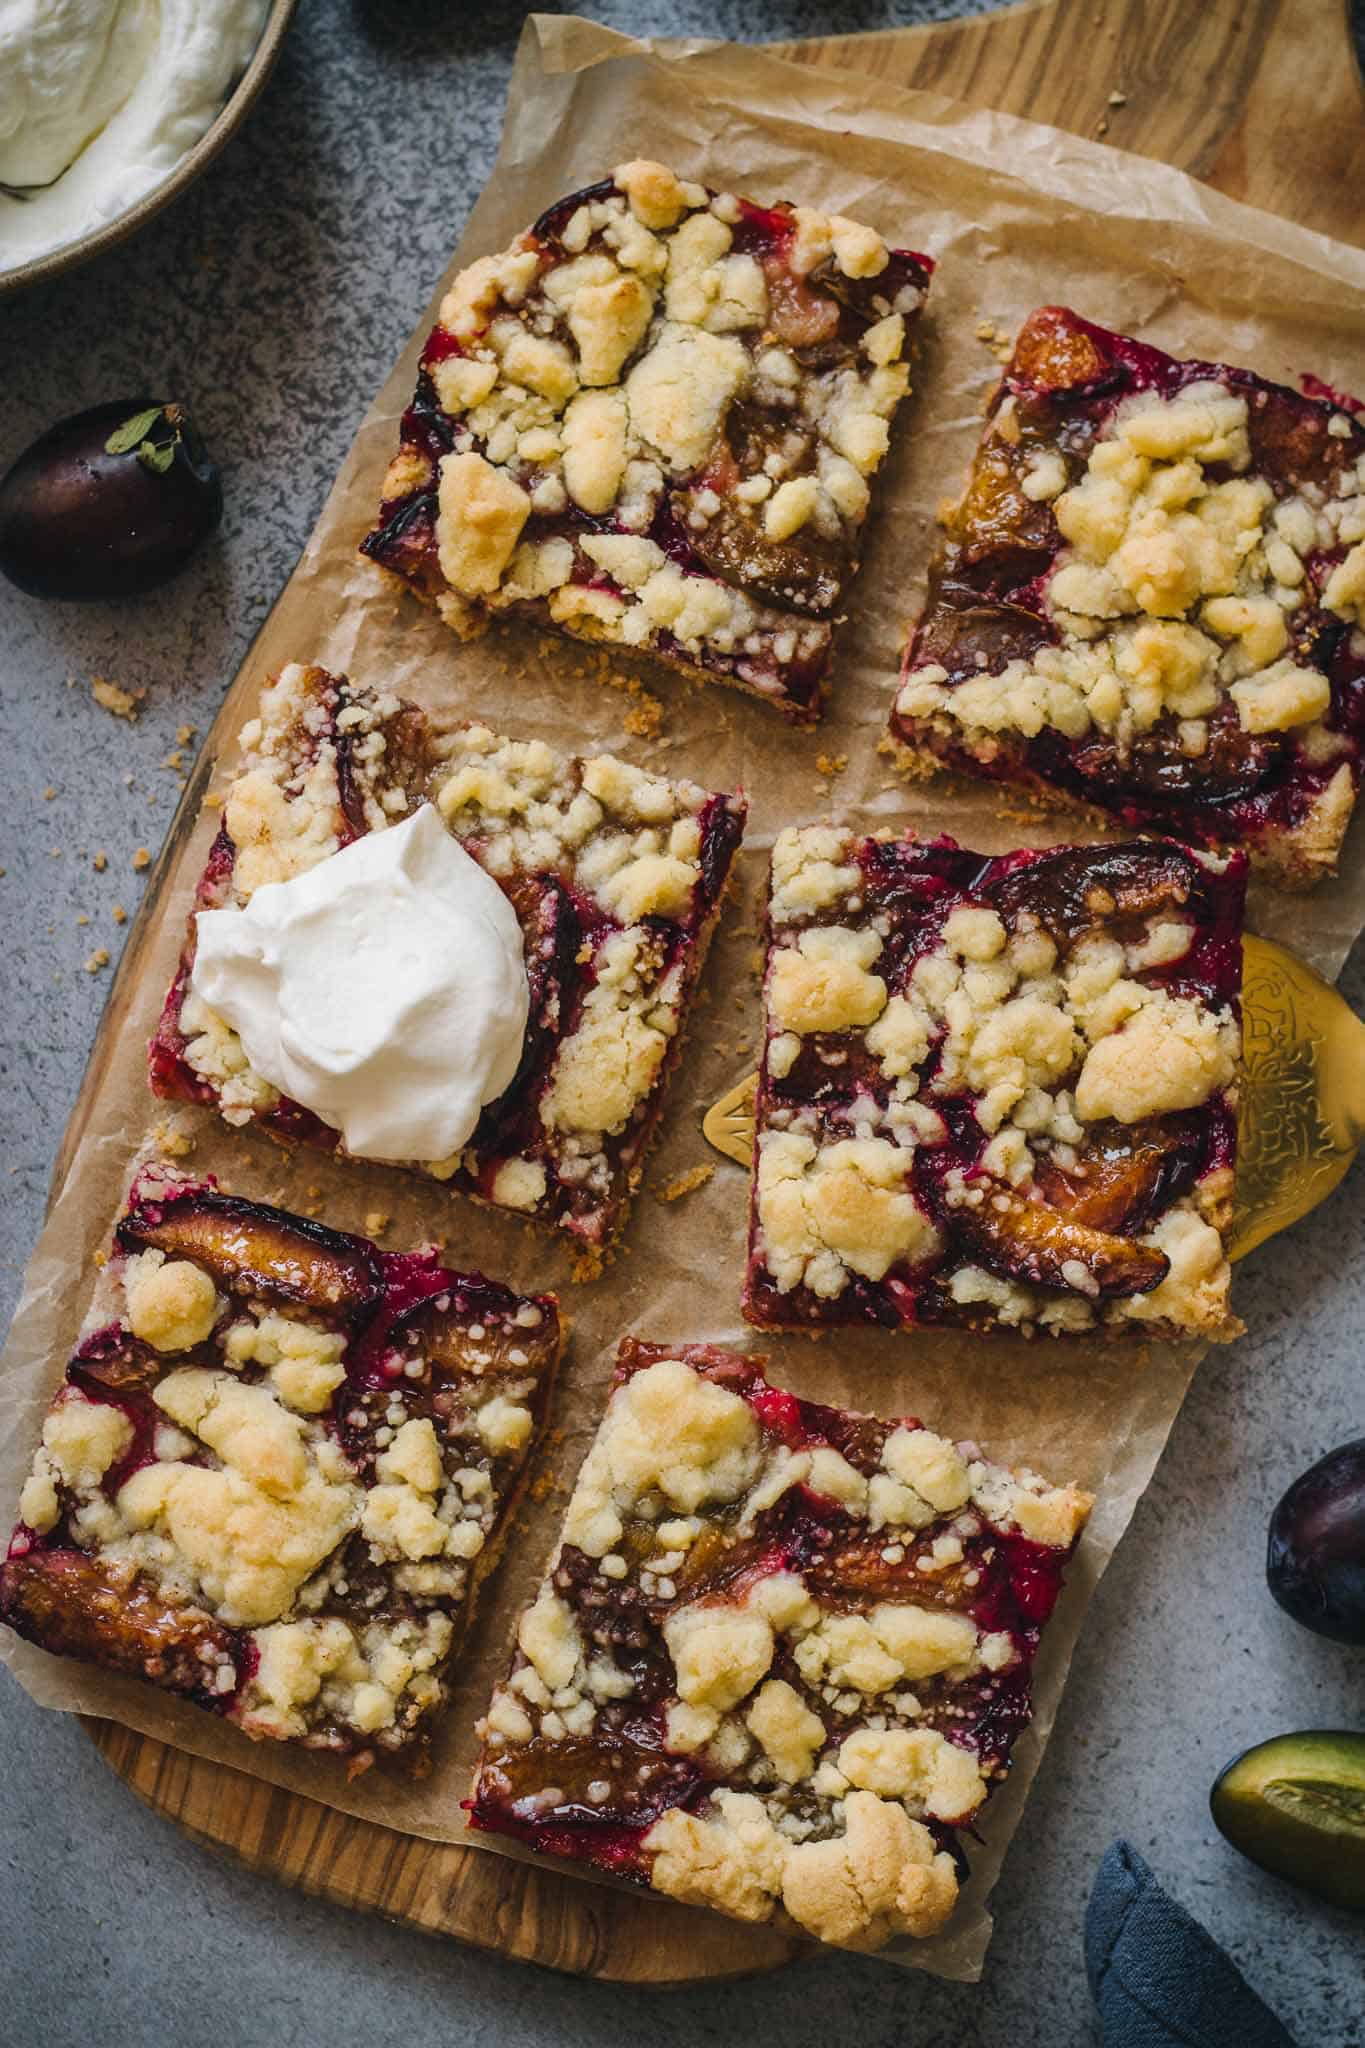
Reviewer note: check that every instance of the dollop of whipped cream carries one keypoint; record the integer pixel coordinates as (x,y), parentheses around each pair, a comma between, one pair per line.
(100,99)
(385,989)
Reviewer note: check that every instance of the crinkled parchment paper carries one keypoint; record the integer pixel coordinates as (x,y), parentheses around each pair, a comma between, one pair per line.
(1017,216)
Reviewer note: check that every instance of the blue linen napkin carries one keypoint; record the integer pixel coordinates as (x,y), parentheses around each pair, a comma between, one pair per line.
(1158,1979)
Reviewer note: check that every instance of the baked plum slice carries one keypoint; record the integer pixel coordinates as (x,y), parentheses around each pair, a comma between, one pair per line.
(1027,1240)
(1069,891)
(1125,1173)
(734,547)
(253,1249)
(77,1607)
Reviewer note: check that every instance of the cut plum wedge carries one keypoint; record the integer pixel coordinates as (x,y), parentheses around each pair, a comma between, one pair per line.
(781,1655)
(278,1468)
(997,1091)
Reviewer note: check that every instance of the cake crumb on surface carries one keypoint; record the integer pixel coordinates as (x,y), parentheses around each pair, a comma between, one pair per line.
(171,1140)
(686,1183)
(110,697)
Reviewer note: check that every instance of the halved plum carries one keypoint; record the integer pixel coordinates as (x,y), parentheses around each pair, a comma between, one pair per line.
(1296,1806)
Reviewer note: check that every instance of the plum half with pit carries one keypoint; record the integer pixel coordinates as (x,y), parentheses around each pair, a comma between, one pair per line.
(109,503)
(1296,1806)
(1315,1557)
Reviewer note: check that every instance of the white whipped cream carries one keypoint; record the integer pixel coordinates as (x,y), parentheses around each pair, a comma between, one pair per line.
(385,989)
(100,99)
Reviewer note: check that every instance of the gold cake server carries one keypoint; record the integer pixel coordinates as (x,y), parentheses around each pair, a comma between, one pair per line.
(1302,1103)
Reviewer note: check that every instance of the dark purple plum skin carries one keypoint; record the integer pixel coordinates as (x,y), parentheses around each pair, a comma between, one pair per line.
(1315,1558)
(79,523)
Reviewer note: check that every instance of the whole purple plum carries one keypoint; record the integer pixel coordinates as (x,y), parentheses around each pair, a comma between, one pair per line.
(1315,1560)
(108,503)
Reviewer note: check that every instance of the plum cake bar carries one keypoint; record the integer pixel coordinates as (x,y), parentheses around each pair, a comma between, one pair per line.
(655,421)
(997,1091)
(1149,600)
(781,1656)
(278,1469)
(615,875)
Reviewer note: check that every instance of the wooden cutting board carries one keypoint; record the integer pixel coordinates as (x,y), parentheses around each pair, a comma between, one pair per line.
(1262,99)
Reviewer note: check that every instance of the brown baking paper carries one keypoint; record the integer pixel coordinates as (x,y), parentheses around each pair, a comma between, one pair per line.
(1016,216)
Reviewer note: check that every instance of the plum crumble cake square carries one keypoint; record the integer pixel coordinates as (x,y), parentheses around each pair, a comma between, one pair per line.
(997,1091)
(655,421)
(781,1655)
(1149,600)
(278,1469)
(616,877)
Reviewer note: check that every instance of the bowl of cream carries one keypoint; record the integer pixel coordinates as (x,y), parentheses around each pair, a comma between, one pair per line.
(110,108)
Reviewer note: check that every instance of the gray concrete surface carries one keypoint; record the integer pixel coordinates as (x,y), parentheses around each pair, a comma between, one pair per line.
(274,296)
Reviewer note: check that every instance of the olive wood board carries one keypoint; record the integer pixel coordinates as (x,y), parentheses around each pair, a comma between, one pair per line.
(1262,100)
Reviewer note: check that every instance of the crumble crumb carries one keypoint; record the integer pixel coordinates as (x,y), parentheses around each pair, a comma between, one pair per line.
(184,734)
(587,1267)
(82,919)
(99,958)
(685,1183)
(120,914)
(831,764)
(644,717)
(48,794)
(142,859)
(100,862)
(170,1140)
(119,702)
(376,1222)
(1118,99)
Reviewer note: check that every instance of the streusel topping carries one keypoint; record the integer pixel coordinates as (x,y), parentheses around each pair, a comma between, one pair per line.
(655,418)
(814,1611)
(276,1468)
(957,1061)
